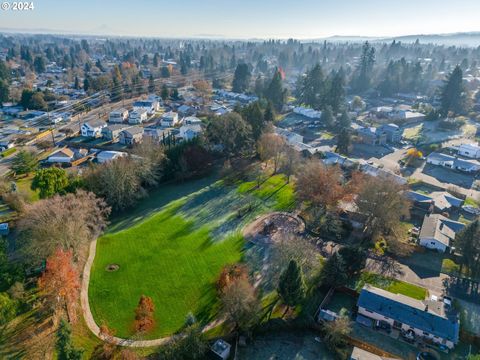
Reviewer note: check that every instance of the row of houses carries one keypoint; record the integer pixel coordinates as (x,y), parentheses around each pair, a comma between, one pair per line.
(452,162)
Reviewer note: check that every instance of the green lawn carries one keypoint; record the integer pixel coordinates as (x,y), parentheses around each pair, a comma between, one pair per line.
(413,133)
(393,285)
(24,186)
(172,248)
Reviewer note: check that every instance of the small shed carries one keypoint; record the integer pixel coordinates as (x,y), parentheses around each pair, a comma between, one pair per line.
(221,349)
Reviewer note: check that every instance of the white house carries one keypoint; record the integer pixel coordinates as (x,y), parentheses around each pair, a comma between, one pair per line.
(469,150)
(138,116)
(188,132)
(62,156)
(169,119)
(438,232)
(452,162)
(93,128)
(150,106)
(307,112)
(118,116)
(430,320)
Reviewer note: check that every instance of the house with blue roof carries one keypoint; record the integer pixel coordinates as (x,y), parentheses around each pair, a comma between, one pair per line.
(430,320)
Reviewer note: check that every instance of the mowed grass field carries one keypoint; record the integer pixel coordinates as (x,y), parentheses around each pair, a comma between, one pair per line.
(172,248)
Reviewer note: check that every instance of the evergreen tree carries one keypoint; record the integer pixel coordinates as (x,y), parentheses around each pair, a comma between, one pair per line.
(76,85)
(39,64)
(344,121)
(165,72)
(156,59)
(453,94)
(336,91)
(343,141)
(291,285)
(241,78)
(24,162)
(269,114)
(275,92)
(164,93)
(334,271)
(50,181)
(327,117)
(4,71)
(467,243)
(151,84)
(312,88)
(363,78)
(64,345)
(254,116)
(4,91)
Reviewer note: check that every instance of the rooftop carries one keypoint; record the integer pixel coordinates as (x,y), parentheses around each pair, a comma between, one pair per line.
(410,311)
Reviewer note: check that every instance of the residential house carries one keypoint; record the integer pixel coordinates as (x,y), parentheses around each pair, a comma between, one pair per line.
(430,320)
(372,136)
(169,119)
(421,204)
(192,120)
(112,132)
(290,136)
(439,201)
(150,106)
(307,112)
(93,128)
(452,162)
(386,174)
(138,116)
(131,136)
(392,132)
(188,132)
(438,232)
(106,156)
(185,110)
(8,142)
(156,134)
(118,116)
(469,150)
(62,156)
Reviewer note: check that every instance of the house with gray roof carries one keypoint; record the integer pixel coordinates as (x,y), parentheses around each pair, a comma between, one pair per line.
(451,162)
(372,136)
(131,136)
(429,320)
(438,232)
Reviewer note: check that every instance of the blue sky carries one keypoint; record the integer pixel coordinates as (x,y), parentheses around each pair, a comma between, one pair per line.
(248,18)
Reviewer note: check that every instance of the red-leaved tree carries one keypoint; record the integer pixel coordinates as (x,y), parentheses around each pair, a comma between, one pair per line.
(60,282)
(144,320)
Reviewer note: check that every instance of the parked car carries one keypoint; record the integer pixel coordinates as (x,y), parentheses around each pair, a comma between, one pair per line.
(471,209)
(425,355)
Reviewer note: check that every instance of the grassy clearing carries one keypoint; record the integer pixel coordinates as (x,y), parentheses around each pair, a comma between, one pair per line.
(274,190)
(413,133)
(471,202)
(450,267)
(172,248)
(392,285)
(24,186)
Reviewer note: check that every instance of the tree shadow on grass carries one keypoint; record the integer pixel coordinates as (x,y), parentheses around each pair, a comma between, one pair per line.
(209,306)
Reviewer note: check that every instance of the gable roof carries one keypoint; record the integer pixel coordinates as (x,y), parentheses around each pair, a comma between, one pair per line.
(63,152)
(95,123)
(440,228)
(409,311)
(134,130)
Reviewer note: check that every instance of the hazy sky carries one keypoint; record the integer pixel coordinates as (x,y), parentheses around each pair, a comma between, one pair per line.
(248,18)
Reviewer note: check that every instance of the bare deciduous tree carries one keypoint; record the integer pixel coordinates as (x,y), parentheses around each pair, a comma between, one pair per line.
(270,147)
(67,222)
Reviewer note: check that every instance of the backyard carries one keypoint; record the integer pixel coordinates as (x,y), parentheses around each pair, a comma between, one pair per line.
(188,233)
(393,285)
